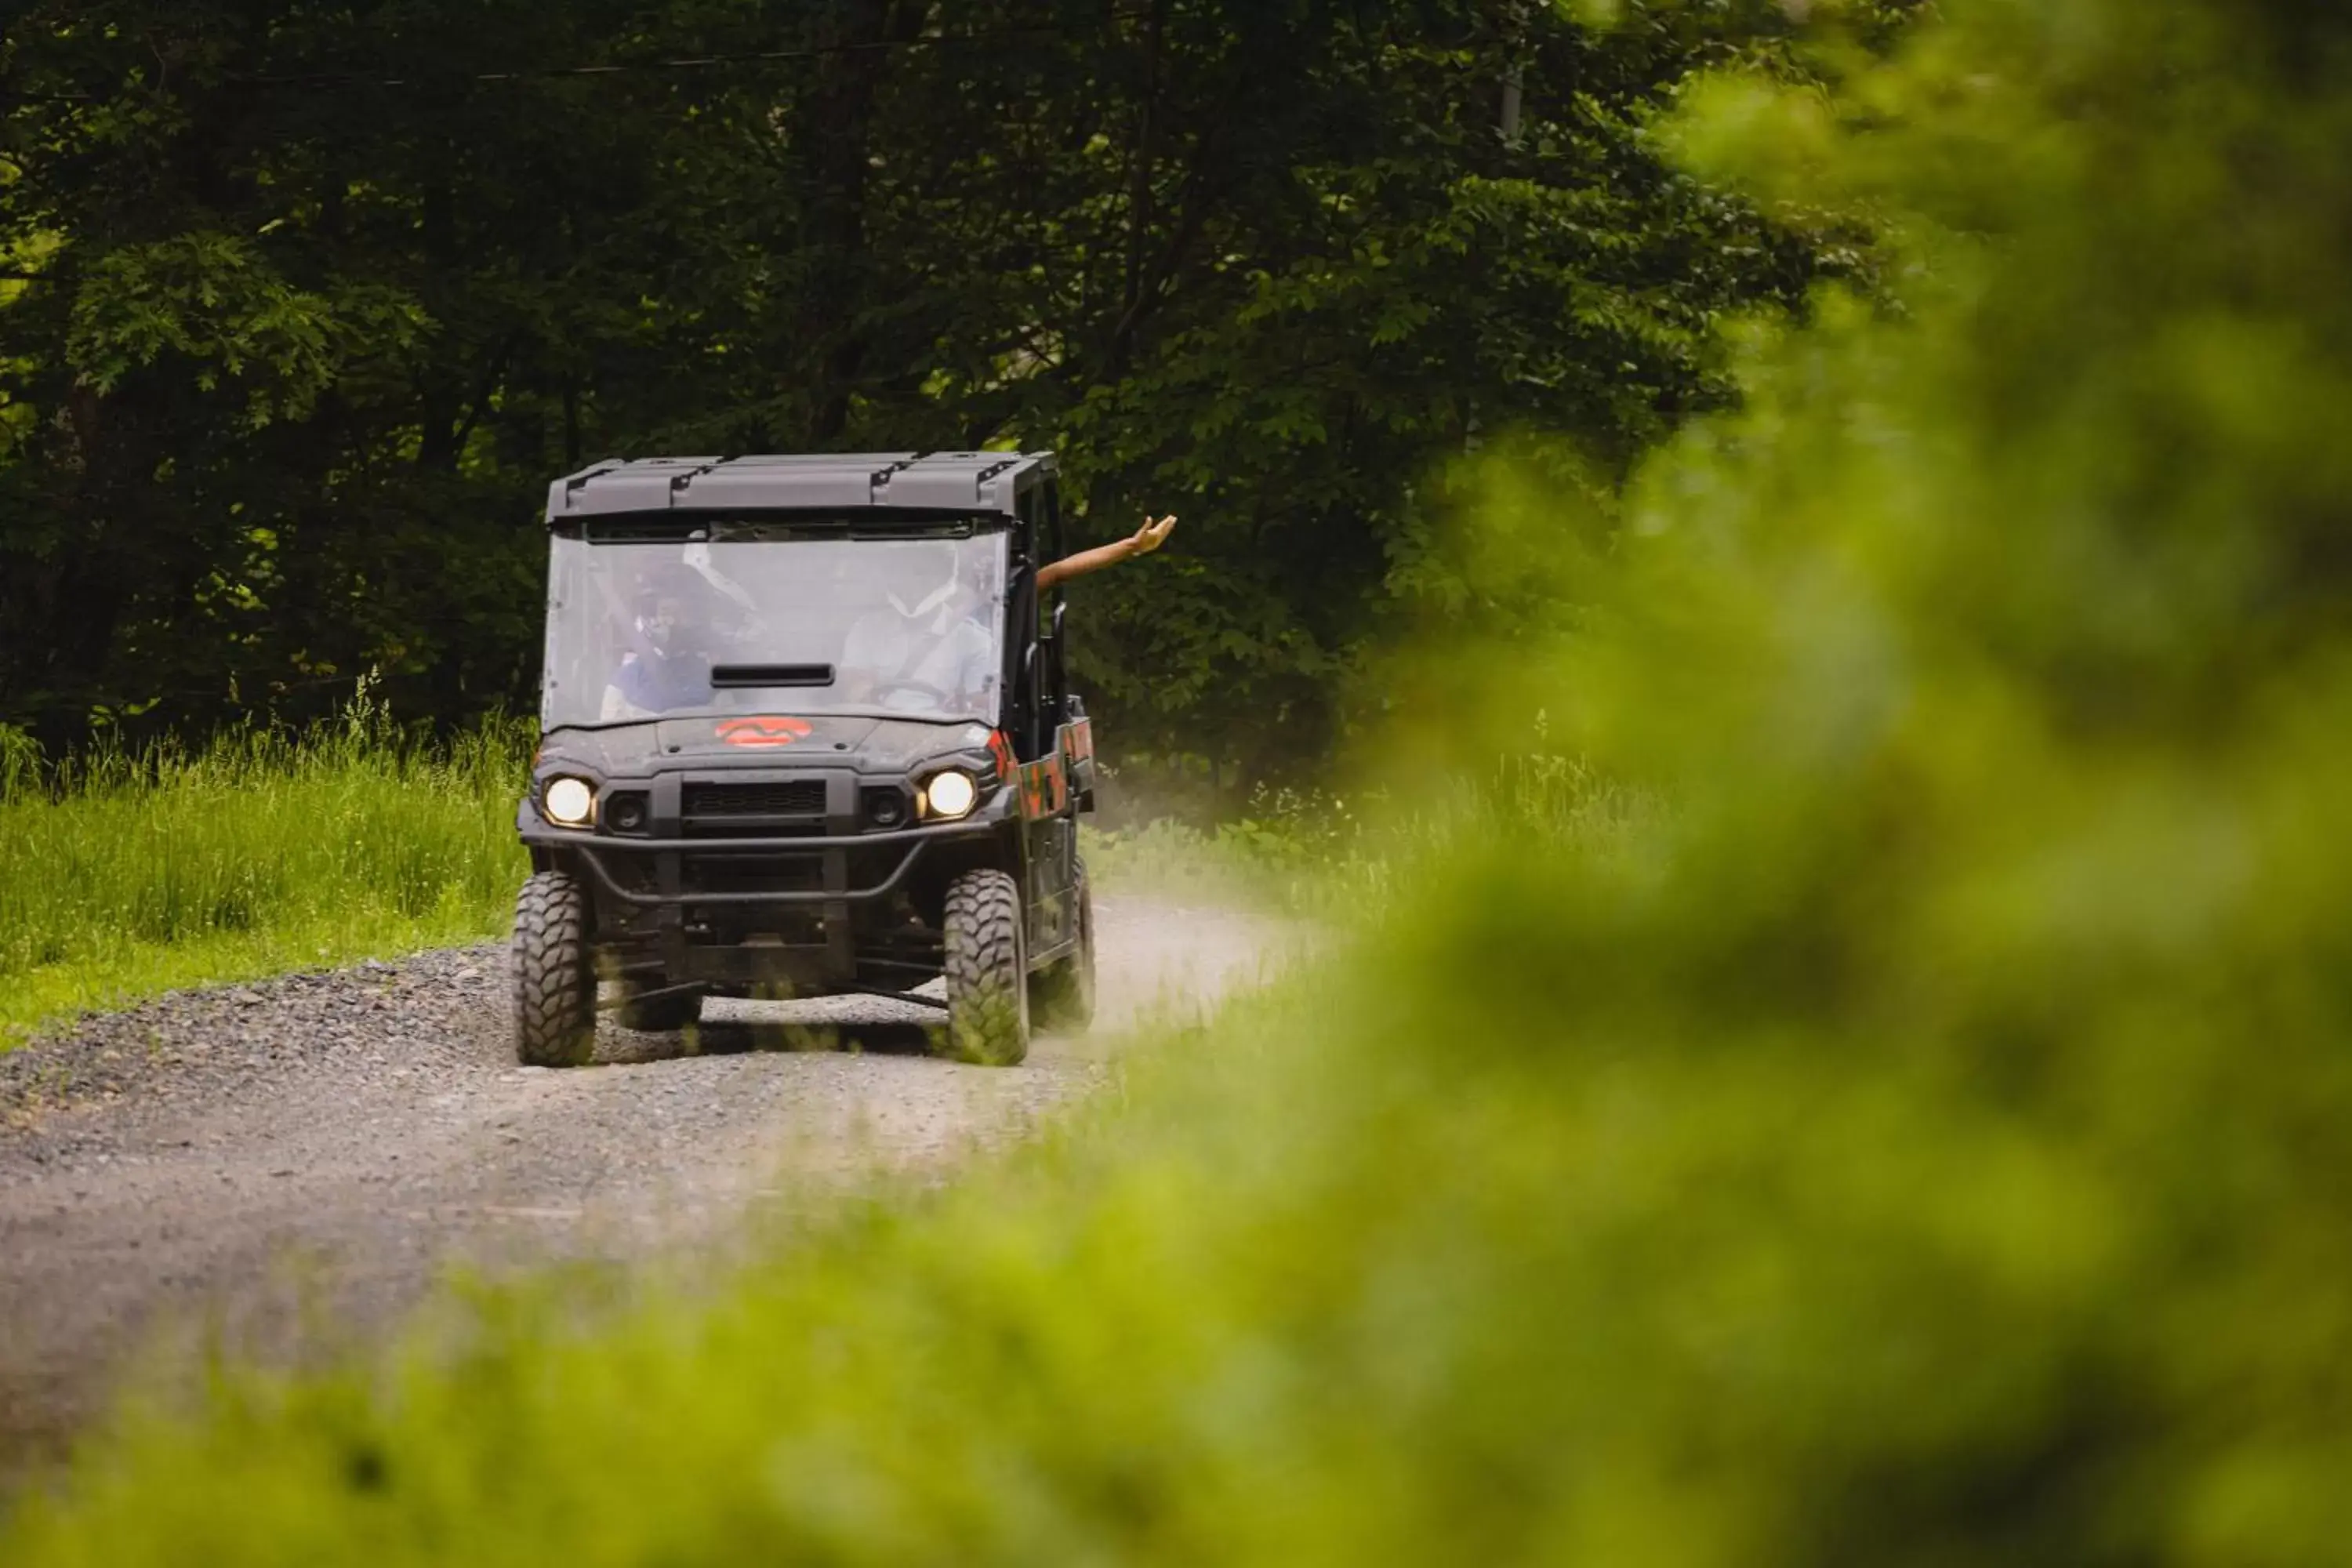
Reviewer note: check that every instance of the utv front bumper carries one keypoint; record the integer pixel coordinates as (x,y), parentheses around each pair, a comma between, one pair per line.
(811,912)
(657,866)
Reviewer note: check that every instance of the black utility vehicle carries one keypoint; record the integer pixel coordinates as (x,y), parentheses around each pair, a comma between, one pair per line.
(807,730)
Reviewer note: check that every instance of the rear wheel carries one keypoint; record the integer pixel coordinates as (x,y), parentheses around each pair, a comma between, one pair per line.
(663,1014)
(555,988)
(1062,995)
(987,971)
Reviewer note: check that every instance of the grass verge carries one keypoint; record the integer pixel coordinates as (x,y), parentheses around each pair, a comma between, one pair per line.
(128,874)
(1312,853)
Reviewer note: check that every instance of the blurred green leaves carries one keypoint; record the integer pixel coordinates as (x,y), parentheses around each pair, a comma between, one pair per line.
(1988,656)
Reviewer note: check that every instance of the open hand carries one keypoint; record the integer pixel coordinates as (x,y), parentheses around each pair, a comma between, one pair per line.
(1152,535)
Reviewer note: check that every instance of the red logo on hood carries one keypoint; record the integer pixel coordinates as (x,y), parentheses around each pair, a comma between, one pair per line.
(763,732)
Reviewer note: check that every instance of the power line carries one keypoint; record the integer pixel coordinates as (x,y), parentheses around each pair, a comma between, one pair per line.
(546,73)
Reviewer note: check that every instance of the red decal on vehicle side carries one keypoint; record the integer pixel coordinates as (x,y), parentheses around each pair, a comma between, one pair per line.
(1045,788)
(763,732)
(1000,746)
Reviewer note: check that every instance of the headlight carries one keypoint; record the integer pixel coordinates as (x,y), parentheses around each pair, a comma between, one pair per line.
(949,795)
(568,800)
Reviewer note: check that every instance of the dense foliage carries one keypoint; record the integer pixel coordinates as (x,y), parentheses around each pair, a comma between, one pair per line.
(298,313)
(1922,1140)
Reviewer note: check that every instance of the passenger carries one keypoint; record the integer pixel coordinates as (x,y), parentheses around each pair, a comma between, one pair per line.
(1142,542)
(926,651)
(937,650)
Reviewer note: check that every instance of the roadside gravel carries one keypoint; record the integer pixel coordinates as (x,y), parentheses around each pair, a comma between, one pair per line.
(284,1166)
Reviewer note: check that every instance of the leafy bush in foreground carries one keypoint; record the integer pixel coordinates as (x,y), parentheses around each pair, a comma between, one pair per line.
(1926,1144)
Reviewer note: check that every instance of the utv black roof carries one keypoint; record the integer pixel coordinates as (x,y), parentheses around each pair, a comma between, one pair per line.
(929,482)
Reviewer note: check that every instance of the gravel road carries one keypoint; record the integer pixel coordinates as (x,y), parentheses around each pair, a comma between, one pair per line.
(285,1165)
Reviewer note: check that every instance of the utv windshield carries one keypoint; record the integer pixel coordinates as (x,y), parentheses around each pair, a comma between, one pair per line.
(768,618)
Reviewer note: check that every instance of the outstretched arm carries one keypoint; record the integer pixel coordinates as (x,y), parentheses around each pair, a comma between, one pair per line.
(1143,542)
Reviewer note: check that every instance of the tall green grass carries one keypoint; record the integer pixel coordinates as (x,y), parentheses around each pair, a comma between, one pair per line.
(126,872)
(1318,854)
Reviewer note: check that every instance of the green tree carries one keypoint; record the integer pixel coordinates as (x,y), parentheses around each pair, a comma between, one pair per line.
(317,310)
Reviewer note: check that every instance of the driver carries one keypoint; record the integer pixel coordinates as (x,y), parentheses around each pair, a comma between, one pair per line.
(661,670)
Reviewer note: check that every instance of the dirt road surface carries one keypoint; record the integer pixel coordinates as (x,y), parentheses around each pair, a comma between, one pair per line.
(271,1166)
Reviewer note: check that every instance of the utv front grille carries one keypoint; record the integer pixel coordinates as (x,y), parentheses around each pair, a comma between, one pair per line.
(716,809)
(800,797)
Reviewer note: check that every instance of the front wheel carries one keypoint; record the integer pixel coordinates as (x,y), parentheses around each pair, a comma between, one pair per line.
(987,971)
(555,988)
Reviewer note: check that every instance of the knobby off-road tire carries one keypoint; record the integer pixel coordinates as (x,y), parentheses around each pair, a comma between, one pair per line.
(987,972)
(555,989)
(1062,995)
(663,1014)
